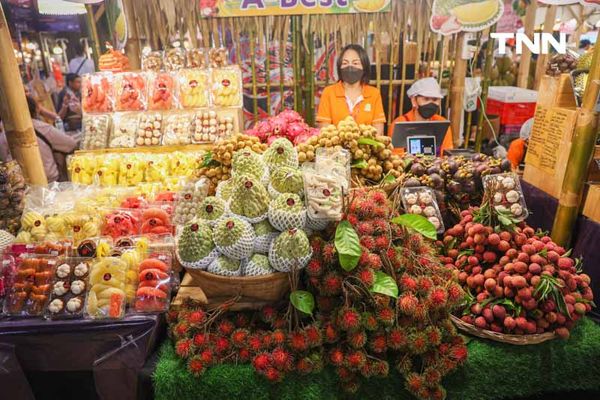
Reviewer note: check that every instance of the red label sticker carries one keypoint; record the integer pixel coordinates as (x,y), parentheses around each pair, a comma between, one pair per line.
(326,192)
(77,170)
(107,277)
(187,196)
(226,82)
(128,166)
(76,228)
(193,83)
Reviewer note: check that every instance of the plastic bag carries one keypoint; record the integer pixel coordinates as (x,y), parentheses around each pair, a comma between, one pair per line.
(130,91)
(506,194)
(162,92)
(218,57)
(195,58)
(154,288)
(189,200)
(95,131)
(69,288)
(177,128)
(226,87)
(106,297)
(124,130)
(323,194)
(97,93)
(193,88)
(149,132)
(335,161)
(156,220)
(120,222)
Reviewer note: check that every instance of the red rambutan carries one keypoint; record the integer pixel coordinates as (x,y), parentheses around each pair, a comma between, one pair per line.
(418,343)
(381,226)
(331,284)
(364,228)
(267,340)
(366,276)
(207,357)
(375,262)
(313,335)
(336,357)
(197,317)
(378,343)
(414,382)
(344,374)
(367,242)
(261,362)
(421,312)
(241,320)
(382,242)
(181,329)
(273,375)
(298,341)
(455,293)
(432,376)
(408,283)
(316,244)
(329,253)
(331,333)
(368,370)
(183,348)
(200,340)
(348,319)
(351,387)
(365,208)
(397,338)
(438,297)
(304,366)
(244,354)
(434,335)
(225,327)
(279,323)
(379,197)
(172,316)
(408,303)
(278,337)
(386,316)
(196,366)
(424,284)
(391,254)
(282,359)
(357,339)
(326,304)
(369,322)
(268,314)
(222,344)
(404,365)
(255,342)
(381,368)
(314,268)
(381,212)
(355,360)
(459,353)
(239,337)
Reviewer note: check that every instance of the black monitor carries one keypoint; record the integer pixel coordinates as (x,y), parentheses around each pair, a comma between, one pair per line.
(423,130)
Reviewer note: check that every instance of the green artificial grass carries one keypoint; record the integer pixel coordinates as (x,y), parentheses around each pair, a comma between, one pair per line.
(494,371)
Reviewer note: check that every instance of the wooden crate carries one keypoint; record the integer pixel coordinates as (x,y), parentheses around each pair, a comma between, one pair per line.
(591,205)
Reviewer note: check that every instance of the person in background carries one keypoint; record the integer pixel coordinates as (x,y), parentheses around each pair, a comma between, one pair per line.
(518,147)
(81,64)
(584,46)
(48,115)
(351,95)
(69,103)
(426,98)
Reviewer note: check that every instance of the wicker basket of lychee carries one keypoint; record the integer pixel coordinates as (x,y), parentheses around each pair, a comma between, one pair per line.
(245,240)
(522,287)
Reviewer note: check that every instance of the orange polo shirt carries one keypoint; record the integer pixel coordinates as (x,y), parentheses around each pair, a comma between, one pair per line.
(333,106)
(516,152)
(447,143)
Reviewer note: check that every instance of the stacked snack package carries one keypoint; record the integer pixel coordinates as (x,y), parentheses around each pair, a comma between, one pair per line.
(162,92)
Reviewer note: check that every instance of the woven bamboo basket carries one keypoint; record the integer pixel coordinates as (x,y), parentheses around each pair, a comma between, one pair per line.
(519,340)
(255,291)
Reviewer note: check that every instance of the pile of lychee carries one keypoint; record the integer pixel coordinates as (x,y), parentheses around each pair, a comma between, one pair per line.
(520,281)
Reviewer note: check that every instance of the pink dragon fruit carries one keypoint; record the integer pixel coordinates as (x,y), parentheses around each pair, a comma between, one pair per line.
(291,116)
(296,129)
(265,129)
(279,125)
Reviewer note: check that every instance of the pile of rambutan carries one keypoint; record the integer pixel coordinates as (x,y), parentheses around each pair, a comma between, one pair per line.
(518,281)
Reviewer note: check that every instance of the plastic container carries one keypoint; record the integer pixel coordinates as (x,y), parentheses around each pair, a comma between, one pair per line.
(177,128)
(156,220)
(506,194)
(195,58)
(154,289)
(323,194)
(162,91)
(152,61)
(130,91)
(174,59)
(31,286)
(124,130)
(193,88)
(69,289)
(97,93)
(91,247)
(218,57)
(421,200)
(120,222)
(106,297)
(226,87)
(514,105)
(189,199)
(209,126)
(336,162)
(96,129)
(149,132)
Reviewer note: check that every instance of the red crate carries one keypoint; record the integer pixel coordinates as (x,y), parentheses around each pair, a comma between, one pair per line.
(510,113)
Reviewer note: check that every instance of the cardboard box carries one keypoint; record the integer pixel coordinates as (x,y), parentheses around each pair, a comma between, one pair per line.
(556,91)
(591,205)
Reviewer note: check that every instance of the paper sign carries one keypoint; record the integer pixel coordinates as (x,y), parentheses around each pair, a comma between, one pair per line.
(586,3)
(451,16)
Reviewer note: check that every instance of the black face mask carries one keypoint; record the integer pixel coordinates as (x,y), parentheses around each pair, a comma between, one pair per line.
(428,110)
(351,74)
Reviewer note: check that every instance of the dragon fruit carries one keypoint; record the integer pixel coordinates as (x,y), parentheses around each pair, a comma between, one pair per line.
(288,124)
(296,129)
(279,125)
(291,116)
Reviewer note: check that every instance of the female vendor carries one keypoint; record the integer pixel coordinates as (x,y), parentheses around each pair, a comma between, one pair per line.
(352,95)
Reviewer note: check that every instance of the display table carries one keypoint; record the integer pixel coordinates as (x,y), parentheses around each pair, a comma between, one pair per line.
(113,350)
(586,235)
(493,371)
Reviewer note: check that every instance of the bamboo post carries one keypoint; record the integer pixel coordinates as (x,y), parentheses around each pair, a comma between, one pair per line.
(525,62)
(580,24)
(310,76)
(282,50)
(540,68)
(487,72)
(580,156)
(457,88)
(91,23)
(252,39)
(268,42)
(20,135)
(133,50)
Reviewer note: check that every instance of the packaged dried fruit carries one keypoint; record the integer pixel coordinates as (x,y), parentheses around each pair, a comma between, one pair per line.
(177,128)
(336,161)
(154,287)
(31,286)
(421,200)
(120,222)
(174,59)
(209,126)
(193,88)
(69,288)
(195,58)
(94,247)
(505,194)
(226,87)
(97,94)
(162,91)
(218,57)
(324,195)
(124,129)
(130,89)
(96,129)
(149,132)
(152,61)
(106,297)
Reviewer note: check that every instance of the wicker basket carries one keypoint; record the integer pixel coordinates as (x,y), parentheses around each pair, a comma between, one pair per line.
(255,291)
(520,340)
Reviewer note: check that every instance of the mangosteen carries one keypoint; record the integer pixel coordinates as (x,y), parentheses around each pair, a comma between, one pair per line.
(417,169)
(495,170)
(434,169)
(478,157)
(412,182)
(469,186)
(452,166)
(436,180)
(454,187)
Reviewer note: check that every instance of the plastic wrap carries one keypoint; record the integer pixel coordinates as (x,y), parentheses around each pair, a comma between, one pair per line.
(12,194)
(189,200)
(106,297)
(130,91)
(96,129)
(193,87)
(174,59)
(209,126)
(506,194)
(94,247)
(336,161)
(226,89)
(124,129)
(154,289)
(97,93)
(323,195)
(69,288)
(162,91)
(421,200)
(156,220)
(149,132)
(177,128)
(152,61)
(31,286)
(120,222)
(195,58)
(218,57)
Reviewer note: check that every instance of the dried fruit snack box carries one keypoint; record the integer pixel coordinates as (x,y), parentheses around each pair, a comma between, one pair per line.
(174,59)
(106,297)
(69,288)
(218,57)
(195,58)
(152,61)
(149,132)
(189,199)
(210,126)
(97,93)
(31,286)
(130,91)
(226,87)
(154,287)
(421,200)
(124,128)
(193,88)
(96,129)
(177,128)
(336,161)
(506,194)
(162,91)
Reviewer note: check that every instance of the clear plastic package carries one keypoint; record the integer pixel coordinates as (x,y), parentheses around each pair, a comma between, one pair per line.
(152,61)
(162,91)
(421,200)
(189,199)
(177,128)
(97,93)
(69,288)
(132,170)
(506,194)
(156,220)
(218,57)
(130,91)
(31,286)
(209,126)
(124,129)
(106,297)
(96,129)
(193,88)
(174,59)
(120,222)
(93,247)
(154,290)
(195,58)
(149,132)
(323,195)
(335,161)
(226,87)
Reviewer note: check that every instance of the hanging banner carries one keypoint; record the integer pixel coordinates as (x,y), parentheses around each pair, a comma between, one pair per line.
(452,16)
(248,8)
(118,23)
(587,3)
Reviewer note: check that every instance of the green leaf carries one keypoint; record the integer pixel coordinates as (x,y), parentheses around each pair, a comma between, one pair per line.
(370,142)
(360,164)
(347,245)
(417,223)
(208,161)
(544,252)
(385,284)
(303,301)
(568,253)
(389,179)
(504,220)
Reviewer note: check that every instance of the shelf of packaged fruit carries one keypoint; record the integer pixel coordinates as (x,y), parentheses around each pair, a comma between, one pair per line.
(148,149)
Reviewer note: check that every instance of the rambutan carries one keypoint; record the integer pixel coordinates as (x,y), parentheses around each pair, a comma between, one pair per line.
(172,316)
(183,348)
(239,337)
(404,365)
(196,366)
(331,284)
(381,227)
(418,343)
(438,297)
(414,242)
(432,376)
(241,320)
(434,335)
(386,316)
(459,353)
(355,359)
(381,212)
(391,254)
(455,293)
(298,341)
(207,357)
(222,344)
(282,359)
(368,321)
(421,312)
(408,283)
(382,242)
(197,317)
(261,361)
(314,268)
(397,338)
(345,374)
(255,343)
(437,393)
(304,366)
(424,284)
(368,370)
(273,375)
(364,228)
(278,337)
(357,339)
(381,368)
(267,340)
(336,356)
(326,304)
(414,382)
(408,303)
(366,276)
(316,243)
(353,219)
(365,209)
(368,242)
(330,333)
(351,387)
(329,253)
(268,314)
(181,330)
(348,319)
(313,335)
(378,342)
(244,354)
(375,262)
(200,340)
(225,327)
(379,197)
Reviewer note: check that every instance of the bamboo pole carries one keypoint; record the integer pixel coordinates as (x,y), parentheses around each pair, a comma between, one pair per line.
(525,62)
(540,67)
(133,50)
(91,23)
(489,61)
(457,88)
(20,135)
(310,114)
(580,156)
(268,42)
(282,50)
(580,24)
(252,39)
